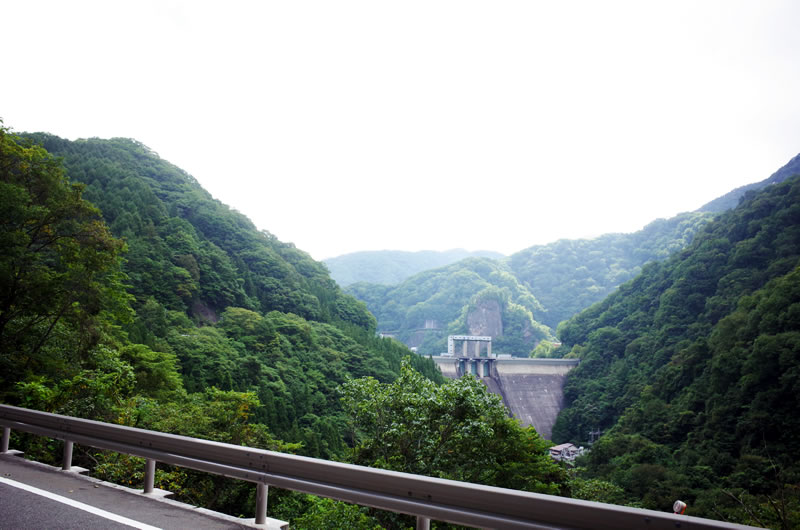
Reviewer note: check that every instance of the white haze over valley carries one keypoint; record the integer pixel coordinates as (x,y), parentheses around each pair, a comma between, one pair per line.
(347,126)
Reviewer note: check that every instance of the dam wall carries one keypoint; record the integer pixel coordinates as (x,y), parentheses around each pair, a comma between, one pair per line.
(532,389)
(535,366)
(449,369)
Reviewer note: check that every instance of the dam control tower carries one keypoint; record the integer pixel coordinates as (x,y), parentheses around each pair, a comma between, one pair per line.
(531,389)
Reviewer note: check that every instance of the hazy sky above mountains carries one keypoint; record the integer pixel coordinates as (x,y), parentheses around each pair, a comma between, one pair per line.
(343,126)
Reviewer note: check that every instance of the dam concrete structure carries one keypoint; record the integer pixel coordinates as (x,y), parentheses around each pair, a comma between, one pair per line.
(465,341)
(532,389)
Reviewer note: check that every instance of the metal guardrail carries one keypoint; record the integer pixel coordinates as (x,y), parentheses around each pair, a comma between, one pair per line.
(424,497)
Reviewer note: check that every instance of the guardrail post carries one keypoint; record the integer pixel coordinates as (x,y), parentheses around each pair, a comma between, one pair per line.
(423,523)
(149,475)
(261,503)
(6,438)
(66,462)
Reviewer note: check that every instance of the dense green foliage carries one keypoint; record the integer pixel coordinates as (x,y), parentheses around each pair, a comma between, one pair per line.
(447,431)
(60,279)
(190,252)
(238,309)
(572,274)
(427,307)
(179,316)
(390,267)
(207,327)
(543,286)
(691,369)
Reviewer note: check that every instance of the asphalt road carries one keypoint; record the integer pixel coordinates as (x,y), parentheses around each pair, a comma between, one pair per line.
(36,496)
(22,510)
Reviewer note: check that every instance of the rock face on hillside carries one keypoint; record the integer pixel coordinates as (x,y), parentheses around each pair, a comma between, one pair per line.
(486,319)
(477,296)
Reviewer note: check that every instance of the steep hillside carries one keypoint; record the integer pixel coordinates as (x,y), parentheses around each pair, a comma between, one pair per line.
(572,274)
(565,276)
(390,267)
(222,333)
(189,251)
(691,370)
(238,309)
(476,296)
(551,282)
(732,198)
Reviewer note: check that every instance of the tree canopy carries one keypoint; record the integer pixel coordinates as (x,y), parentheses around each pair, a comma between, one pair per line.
(164,309)
(424,309)
(60,277)
(457,430)
(550,283)
(691,370)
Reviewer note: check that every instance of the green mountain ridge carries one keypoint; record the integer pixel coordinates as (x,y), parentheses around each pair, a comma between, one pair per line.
(194,323)
(552,282)
(233,306)
(424,309)
(692,370)
(565,276)
(732,198)
(390,267)
(142,196)
(572,274)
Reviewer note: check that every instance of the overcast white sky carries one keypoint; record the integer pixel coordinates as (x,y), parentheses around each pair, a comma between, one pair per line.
(343,126)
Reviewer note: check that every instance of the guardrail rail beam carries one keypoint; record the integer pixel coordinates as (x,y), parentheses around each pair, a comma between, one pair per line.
(426,498)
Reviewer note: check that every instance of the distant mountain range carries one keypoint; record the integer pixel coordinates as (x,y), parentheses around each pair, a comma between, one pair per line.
(474,296)
(732,198)
(389,267)
(561,278)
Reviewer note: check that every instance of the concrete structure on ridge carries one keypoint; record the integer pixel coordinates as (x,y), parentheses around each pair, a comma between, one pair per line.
(465,340)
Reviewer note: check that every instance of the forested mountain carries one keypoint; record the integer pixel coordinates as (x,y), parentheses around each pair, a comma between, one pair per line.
(238,309)
(179,316)
(572,274)
(476,296)
(565,276)
(224,304)
(692,370)
(390,267)
(190,252)
(156,306)
(543,285)
(732,198)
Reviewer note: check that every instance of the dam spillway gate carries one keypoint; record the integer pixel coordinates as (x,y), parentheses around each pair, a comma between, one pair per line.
(531,389)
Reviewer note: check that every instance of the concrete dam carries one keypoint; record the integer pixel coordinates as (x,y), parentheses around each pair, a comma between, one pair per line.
(532,389)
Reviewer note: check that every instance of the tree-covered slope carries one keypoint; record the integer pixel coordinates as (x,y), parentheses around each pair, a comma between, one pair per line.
(552,282)
(732,198)
(190,251)
(691,369)
(235,308)
(572,274)
(196,344)
(390,267)
(475,295)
